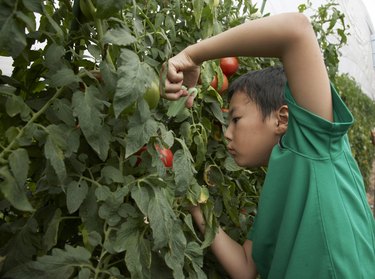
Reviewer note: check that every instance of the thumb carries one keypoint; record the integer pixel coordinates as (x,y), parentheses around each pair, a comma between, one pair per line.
(190,100)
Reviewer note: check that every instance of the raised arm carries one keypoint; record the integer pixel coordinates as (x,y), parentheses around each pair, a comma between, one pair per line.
(287,36)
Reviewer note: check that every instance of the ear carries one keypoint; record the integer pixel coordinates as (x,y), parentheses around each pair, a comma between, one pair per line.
(282,117)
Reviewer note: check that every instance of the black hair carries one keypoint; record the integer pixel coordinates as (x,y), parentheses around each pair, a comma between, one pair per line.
(264,87)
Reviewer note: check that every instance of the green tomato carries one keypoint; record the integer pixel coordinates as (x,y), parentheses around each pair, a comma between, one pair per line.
(152,95)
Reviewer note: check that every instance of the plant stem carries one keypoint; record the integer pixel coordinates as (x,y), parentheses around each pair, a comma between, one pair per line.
(30,122)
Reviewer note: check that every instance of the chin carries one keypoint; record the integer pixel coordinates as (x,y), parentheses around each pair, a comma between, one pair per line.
(251,164)
(245,164)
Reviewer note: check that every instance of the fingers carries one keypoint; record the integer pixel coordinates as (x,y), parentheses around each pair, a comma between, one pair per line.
(175,73)
(171,80)
(175,95)
(171,87)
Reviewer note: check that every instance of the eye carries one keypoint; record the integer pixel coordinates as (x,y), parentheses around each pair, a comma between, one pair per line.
(235,119)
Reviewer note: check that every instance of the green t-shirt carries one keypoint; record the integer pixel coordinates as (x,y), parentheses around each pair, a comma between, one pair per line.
(313,217)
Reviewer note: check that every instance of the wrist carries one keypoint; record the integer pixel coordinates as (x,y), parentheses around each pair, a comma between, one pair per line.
(197,215)
(190,52)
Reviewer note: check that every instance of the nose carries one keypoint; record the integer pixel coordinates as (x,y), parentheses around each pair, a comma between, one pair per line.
(228,133)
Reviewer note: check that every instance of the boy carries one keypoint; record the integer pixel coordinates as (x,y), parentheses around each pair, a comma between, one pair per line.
(313,218)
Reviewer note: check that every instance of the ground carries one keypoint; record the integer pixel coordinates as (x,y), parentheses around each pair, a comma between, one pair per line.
(371,189)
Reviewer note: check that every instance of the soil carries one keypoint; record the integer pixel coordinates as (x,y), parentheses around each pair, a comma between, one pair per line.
(371,189)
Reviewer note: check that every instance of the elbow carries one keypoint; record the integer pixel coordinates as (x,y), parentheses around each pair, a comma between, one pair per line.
(301,26)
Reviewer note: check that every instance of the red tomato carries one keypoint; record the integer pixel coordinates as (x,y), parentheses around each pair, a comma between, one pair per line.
(224,86)
(165,155)
(229,65)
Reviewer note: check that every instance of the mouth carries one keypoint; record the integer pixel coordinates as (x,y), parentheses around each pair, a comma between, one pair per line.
(231,151)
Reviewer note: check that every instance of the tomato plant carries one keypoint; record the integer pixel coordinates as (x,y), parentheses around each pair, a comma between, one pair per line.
(77,112)
(229,65)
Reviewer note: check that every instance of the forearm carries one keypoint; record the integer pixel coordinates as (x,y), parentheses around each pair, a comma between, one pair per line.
(288,36)
(266,37)
(232,256)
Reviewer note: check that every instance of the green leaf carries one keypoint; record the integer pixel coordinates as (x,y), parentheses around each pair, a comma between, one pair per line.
(134,78)
(54,150)
(63,77)
(89,212)
(22,245)
(166,136)
(15,105)
(60,265)
(177,107)
(12,37)
(58,31)
(15,194)
(110,209)
(161,218)
(63,111)
(141,129)
(141,196)
(19,165)
(33,5)
(111,174)
(106,8)
(230,164)
(215,108)
(94,238)
(126,235)
(51,235)
(109,76)
(138,250)
(189,222)
(88,107)
(53,57)
(201,144)
(174,258)
(28,19)
(198,8)
(195,253)
(75,194)
(84,273)
(183,171)
(119,36)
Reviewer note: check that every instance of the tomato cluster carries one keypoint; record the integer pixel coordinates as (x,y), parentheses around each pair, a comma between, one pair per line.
(229,66)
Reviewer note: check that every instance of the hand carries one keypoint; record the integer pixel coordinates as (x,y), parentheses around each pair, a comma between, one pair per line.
(178,71)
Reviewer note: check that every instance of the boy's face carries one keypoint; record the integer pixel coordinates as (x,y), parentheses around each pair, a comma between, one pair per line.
(250,138)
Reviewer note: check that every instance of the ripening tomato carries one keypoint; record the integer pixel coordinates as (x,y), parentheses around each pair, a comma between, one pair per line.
(165,155)
(152,95)
(224,86)
(229,65)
